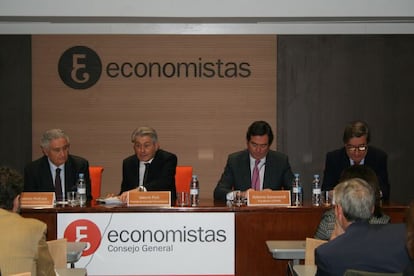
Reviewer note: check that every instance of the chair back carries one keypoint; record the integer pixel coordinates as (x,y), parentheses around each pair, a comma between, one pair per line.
(310,246)
(354,272)
(58,251)
(95,173)
(183,175)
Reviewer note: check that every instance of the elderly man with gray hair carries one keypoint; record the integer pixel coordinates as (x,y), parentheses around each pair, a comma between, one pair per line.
(149,168)
(360,245)
(57,170)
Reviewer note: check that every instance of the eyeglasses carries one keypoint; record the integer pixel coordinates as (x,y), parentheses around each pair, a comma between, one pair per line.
(360,148)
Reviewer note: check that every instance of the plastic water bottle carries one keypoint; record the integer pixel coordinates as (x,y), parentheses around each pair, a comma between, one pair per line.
(297,192)
(194,191)
(81,188)
(316,191)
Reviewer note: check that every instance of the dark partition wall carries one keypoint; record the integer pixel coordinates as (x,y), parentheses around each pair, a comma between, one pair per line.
(15,101)
(326,81)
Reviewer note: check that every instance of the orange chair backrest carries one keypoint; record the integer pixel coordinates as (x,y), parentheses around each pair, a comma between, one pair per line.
(95,173)
(183,176)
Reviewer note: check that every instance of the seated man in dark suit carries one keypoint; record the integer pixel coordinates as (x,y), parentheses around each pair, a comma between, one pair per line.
(272,168)
(56,165)
(360,245)
(356,151)
(23,246)
(150,168)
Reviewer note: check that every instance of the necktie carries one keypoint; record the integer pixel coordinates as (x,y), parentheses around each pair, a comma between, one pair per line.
(58,185)
(144,181)
(255,177)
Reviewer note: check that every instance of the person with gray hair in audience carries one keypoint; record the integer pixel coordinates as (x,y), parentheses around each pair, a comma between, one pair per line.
(360,245)
(326,228)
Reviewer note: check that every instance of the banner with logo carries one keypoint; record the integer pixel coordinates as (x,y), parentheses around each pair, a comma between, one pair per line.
(199,92)
(153,243)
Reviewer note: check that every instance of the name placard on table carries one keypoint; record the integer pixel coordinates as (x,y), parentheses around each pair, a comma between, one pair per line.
(156,199)
(37,199)
(268,198)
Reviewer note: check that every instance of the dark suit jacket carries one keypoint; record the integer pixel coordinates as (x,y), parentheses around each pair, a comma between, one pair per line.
(337,160)
(363,246)
(160,177)
(409,270)
(37,176)
(237,173)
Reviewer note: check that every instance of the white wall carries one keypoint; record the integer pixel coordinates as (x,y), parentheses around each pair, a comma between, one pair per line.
(206,17)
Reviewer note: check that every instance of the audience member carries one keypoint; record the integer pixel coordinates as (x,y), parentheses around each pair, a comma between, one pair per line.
(356,151)
(409,270)
(150,168)
(327,225)
(272,168)
(23,246)
(361,246)
(56,166)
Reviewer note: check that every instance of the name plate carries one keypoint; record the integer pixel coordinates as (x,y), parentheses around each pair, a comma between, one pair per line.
(268,198)
(37,199)
(156,199)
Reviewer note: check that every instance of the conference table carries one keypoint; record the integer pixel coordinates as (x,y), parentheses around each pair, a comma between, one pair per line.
(253,227)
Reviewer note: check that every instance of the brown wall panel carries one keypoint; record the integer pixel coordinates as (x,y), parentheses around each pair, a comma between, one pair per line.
(201,119)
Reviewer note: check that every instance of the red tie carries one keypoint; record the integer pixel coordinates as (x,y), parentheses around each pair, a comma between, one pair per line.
(255,177)
(58,185)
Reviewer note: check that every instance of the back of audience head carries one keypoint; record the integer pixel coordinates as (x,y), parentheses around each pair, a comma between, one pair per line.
(11,186)
(356,198)
(369,175)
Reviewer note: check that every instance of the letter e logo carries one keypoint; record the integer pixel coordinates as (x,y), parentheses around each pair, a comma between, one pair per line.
(80,67)
(85,231)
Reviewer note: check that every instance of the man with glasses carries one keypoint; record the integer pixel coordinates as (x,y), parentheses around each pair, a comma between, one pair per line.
(356,151)
(257,167)
(149,168)
(56,166)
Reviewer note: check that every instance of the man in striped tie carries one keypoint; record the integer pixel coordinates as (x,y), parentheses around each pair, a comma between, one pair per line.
(257,167)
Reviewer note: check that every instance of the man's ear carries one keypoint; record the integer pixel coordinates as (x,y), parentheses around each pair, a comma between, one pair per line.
(16,204)
(338,211)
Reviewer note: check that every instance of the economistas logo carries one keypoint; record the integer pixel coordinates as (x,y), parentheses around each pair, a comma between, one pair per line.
(80,67)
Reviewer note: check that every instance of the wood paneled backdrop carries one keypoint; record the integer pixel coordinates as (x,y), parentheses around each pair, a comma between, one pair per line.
(201,120)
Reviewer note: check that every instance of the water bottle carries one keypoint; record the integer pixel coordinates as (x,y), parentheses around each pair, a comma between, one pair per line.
(316,191)
(297,192)
(194,191)
(81,188)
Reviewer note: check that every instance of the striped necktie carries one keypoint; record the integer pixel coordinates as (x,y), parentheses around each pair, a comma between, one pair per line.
(256,177)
